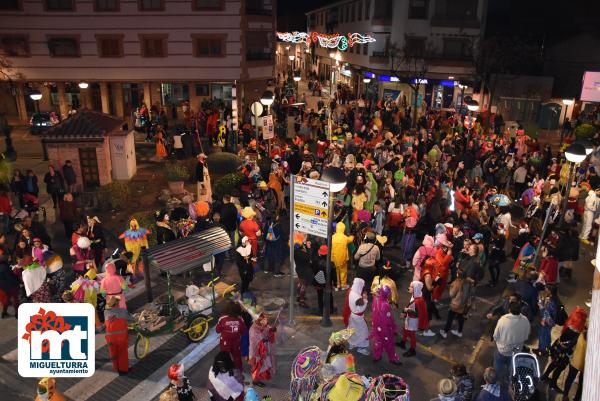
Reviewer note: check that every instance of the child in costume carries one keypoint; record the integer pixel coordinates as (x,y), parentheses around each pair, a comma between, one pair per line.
(34,279)
(354,309)
(180,383)
(262,352)
(56,275)
(85,289)
(113,285)
(46,390)
(115,319)
(383,330)
(339,359)
(416,318)
(385,279)
(136,238)
(82,256)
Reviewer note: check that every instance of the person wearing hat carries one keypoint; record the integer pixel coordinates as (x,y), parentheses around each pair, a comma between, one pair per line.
(225,381)
(203,188)
(164,232)
(245,264)
(115,320)
(38,251)
(262,350)
(386,279)
(85,290)
(82,256)
(113,285)
(415,318)
(447,391)
(250,228)
(96,235)
(354,309)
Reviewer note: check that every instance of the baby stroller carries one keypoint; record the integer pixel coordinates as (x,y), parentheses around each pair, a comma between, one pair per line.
(31,203)
(525,375)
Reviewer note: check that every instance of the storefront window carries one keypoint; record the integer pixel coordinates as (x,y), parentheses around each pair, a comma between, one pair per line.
(174,94)
(222,92)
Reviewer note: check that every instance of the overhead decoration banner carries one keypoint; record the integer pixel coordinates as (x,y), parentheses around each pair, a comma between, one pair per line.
(330,41)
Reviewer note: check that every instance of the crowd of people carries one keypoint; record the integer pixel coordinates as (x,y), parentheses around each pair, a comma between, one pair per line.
(426,199)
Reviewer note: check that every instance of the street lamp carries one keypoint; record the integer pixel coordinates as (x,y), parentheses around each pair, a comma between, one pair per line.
(575,154)
(267,98)
(366,80)
(589,147)
(337,181)
(83,85)
(36,96)
(473,106)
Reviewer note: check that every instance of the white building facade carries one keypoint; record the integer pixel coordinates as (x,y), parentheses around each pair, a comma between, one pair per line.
(443,33)
(158,52)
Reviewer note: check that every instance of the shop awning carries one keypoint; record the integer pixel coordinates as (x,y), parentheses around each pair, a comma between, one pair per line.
(189,253)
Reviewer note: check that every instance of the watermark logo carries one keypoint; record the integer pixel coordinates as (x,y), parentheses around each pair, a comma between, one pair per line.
(56,340)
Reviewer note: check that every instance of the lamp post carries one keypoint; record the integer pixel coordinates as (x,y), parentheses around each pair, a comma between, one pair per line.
(83,86)
(332,57)
(292,58)
(36,96)
(462,96)
(257,110)
(575,154)
(337,181)
(267,99)
(297,79)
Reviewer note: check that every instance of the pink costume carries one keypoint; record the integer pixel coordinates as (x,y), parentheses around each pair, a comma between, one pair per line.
(383,329)
(427,250)
(262,351)
(113,284)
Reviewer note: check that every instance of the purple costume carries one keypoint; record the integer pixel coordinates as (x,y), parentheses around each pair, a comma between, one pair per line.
(383,330)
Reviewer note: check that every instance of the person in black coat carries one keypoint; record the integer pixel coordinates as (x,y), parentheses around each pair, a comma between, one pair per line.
(245,264)
(229,219)
(302,260)
(164,232)
(567,251)
(526,289)
(69,176)
(55,185)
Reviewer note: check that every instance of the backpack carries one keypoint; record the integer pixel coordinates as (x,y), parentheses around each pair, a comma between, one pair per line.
(561,315)
(271,234)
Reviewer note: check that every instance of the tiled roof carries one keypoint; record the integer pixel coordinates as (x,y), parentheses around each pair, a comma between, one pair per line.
(85,124)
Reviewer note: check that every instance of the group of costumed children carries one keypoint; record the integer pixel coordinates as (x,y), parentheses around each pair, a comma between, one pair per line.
(383,325)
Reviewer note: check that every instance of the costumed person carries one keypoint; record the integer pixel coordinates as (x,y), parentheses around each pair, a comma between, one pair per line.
(386,279)
(113,285)
(562,348)
(82,256)
(415,318)
(306,373)
(164,232)
(9,286)
(85,289)
(115,321)
(250,228)
(354,310)
(443,257)
(245,264)
(203,188)
(425,251)
(96,235)
(34,280)
(38,251)
(161,149)
(383,327)
(387,387)
(180,383)
(225,382)
(339,360)
(340,256)
(231,327)
(46,390)
(135,239)
(262,352)
(57,277)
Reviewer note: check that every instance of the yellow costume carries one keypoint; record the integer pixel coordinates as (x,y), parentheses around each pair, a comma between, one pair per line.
(46,391)
(339,253)
(135,238)
(385,281)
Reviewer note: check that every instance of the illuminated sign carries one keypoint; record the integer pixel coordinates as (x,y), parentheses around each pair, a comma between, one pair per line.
(369,75)
(330,41)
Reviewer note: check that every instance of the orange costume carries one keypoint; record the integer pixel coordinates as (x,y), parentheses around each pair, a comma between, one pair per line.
(443,269)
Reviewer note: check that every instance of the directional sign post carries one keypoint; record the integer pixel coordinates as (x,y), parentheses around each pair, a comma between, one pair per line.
(311,208)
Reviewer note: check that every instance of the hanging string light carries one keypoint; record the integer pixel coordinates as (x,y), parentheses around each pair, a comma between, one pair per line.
(329,41)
